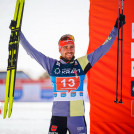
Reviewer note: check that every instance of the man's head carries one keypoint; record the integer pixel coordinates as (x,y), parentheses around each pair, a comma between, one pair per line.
(67,46)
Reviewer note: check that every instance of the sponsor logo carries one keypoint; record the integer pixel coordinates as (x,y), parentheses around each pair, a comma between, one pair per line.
(73,94)
(18,93)
(66,71)
(132,69)
(52,133)
(63,94)
(132,49)
(79,129)
(81,93)
(57,71)
(70,71)
(108,39)
(132,88)
(76,63)
(53,128)
(58,64)
(46,94)
(132,30)
(54,94)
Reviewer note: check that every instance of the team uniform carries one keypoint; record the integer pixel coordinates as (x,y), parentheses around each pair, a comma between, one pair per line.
(67,80)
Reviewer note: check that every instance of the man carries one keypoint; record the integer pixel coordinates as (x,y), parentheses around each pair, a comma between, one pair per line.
(67,76)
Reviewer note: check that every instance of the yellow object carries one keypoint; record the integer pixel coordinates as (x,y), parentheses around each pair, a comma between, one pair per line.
(76,108)
(13,53)
(83,61)
(6,94)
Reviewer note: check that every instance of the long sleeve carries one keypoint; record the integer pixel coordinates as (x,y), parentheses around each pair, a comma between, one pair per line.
(46,62)
(104,48)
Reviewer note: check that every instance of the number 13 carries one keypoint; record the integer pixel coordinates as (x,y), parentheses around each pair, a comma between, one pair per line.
(69,83)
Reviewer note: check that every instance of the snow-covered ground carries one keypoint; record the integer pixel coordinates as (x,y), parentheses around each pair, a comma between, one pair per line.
(31,118)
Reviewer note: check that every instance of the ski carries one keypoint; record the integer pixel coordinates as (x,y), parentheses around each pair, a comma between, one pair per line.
(15,27)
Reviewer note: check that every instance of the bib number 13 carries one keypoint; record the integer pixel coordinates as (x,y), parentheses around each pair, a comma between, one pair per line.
(67,83)
(71,82)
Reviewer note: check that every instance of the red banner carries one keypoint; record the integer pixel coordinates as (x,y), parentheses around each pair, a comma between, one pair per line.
(107,117)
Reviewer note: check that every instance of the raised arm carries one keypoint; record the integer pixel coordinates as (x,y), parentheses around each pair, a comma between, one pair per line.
(46,62)
(104,48)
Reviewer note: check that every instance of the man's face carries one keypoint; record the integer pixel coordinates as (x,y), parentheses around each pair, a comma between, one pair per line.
(68,51)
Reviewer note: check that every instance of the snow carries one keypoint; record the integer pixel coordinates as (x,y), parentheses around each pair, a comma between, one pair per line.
(31,118)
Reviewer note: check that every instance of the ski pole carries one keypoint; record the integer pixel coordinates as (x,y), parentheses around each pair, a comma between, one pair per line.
(116,101)
(121,52)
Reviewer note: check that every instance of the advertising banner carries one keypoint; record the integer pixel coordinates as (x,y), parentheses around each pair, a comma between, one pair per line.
(106,116)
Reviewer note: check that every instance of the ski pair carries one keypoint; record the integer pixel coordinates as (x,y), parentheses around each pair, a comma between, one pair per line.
(119,42)
(15,27)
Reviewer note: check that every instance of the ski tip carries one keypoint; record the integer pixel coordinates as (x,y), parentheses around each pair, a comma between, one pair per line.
(4,116)
(9,115)
(10,107)
(5,112)
(9,112)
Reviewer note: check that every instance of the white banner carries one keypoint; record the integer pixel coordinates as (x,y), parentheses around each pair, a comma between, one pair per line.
(132,69)
(132,30)
(132,50)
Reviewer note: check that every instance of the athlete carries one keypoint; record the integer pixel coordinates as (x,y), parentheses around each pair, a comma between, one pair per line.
(67,76)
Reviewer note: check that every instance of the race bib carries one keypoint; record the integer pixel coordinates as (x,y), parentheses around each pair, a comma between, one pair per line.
(67,83)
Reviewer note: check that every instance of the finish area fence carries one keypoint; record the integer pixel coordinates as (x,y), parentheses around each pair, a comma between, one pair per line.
(27,90)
